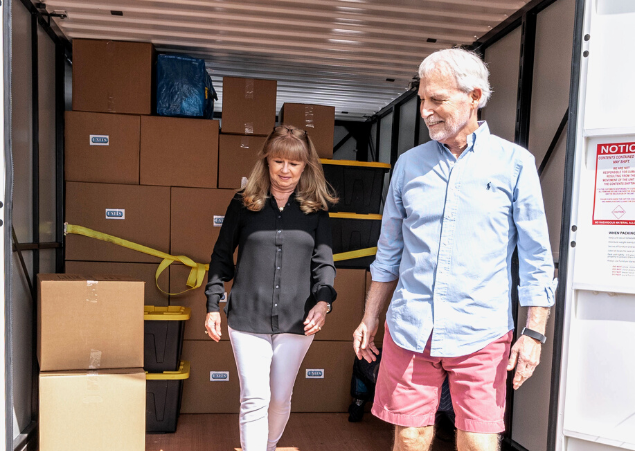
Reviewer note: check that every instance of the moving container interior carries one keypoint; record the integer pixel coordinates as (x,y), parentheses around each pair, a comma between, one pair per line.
(359,57)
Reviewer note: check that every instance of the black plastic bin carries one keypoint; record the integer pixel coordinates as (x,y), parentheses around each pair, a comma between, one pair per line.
(163,330)
(163,398)
(359,184)
(353,232)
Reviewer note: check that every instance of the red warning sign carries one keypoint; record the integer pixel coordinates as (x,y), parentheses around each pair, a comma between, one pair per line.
(614,199)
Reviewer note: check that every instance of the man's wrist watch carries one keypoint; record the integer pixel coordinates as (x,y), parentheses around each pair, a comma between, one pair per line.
(533,334)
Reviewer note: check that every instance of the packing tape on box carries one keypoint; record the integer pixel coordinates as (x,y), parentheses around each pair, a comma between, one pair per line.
(308,116)
(197,271)
(249,88)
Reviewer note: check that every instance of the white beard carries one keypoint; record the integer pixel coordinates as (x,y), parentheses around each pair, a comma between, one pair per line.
(450,128)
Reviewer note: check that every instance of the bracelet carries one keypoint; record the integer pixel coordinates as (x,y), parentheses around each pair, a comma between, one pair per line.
(533,334)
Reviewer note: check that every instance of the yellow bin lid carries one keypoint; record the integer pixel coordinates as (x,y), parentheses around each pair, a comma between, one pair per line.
(171,313)
(361,164)
(182,373)
(355,216)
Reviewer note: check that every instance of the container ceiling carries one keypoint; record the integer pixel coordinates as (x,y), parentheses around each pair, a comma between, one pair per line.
(356,55)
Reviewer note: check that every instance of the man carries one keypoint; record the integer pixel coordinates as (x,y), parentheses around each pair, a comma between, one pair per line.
(456,209)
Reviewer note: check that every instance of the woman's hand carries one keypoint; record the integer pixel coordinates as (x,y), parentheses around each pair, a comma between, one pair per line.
(316,318)
(212,326)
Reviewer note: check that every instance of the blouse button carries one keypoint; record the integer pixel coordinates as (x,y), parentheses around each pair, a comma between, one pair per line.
(279,231)
(277,286)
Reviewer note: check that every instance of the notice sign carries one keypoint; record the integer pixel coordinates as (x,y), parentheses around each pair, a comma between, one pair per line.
(614,201)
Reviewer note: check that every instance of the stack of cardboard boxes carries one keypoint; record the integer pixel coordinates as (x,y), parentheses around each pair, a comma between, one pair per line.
(90,350)
(166,183)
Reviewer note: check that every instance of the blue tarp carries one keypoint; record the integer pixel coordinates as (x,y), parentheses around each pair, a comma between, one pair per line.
(184,88)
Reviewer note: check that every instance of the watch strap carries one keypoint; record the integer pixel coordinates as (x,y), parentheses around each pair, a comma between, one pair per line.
(533,334)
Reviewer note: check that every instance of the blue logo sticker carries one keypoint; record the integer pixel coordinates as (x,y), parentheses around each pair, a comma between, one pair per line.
(99,140)
(218,221)
(315,374)
(115,213)
(219,376)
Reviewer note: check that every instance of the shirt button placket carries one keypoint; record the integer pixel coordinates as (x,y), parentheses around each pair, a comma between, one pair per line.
(277,277)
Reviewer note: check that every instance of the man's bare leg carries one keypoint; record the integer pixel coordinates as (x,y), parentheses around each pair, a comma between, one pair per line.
(413,439)
(471,441)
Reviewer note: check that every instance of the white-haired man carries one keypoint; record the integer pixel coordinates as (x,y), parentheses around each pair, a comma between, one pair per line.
(456,209)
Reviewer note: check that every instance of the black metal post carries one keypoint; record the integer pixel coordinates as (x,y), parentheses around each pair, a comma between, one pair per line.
(35,165)
(60,70)
(418,121)
(8,223)
(394,139)
(525,78)
(565,227)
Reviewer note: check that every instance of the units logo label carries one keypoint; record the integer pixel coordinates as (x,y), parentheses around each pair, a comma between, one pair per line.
(115,213)
(99,140)
(315,374)
(219,376)
(218,221)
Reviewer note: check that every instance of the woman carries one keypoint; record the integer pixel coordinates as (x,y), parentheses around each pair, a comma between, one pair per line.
(283,279)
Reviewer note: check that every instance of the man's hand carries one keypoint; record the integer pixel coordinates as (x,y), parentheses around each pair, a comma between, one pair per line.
(363,337)
(525,353)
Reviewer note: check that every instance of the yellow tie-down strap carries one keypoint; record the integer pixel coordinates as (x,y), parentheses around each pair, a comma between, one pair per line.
(198,270)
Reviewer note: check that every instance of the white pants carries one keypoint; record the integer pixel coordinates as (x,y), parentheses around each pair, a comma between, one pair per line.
(267,368)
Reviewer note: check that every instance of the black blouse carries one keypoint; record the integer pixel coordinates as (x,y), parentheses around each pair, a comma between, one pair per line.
(284,267)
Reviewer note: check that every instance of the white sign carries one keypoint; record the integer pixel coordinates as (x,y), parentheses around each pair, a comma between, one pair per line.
(614,200)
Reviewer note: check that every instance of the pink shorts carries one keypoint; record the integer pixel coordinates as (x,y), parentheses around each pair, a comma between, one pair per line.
(409,386)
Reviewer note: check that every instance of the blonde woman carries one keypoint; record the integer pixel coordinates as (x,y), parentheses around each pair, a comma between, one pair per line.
(283,279)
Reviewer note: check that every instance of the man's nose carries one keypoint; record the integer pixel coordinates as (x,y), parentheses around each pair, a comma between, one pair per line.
(426,110)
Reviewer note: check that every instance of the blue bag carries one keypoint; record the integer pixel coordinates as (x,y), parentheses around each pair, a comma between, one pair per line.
(184,88)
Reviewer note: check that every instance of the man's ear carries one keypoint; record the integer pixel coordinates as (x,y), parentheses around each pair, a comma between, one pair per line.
(475,96)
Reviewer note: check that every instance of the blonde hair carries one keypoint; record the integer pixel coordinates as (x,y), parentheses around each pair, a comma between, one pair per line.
(288,142)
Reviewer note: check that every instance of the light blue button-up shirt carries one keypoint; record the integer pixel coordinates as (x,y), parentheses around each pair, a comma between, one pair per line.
(449,229)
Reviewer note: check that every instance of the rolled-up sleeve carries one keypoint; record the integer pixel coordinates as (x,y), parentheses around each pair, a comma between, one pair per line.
(221,267)
(385,268)
(537,283)
(322,266)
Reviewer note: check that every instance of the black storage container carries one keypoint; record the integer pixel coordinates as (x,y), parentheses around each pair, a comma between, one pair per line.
(352,232)
(164,328)
(359,184)
(163,398)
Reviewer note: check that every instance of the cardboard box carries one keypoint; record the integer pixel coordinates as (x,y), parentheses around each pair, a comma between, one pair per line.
(236,158)
(112,77)
(324,380)
(94,410)
(197,302)
(140,214)
(101,148)
(213,386)
(348,308)
(179,152)
(317,120)
(379,338)
(88,322)
(249,106)
(197,216)
(139,271)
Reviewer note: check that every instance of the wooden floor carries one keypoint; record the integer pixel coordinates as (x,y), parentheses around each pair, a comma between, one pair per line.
(304,432)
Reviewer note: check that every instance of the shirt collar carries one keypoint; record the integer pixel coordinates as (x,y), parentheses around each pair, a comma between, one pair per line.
(478,136)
